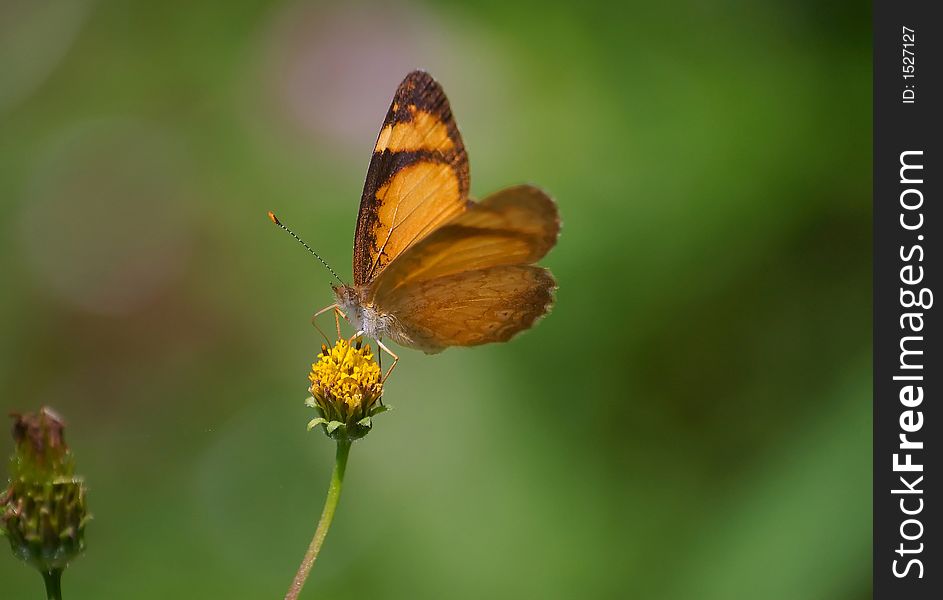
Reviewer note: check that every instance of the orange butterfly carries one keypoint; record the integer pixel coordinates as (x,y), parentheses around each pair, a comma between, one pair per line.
(432,268)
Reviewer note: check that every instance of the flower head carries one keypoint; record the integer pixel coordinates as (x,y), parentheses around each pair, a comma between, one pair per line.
(43,510)
(346,385)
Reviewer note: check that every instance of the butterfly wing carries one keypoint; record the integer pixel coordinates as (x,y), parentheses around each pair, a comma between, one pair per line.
(417,180)
(472,307)
(516,226)
(471,281)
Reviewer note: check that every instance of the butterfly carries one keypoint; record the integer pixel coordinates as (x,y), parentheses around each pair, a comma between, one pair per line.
(432,268)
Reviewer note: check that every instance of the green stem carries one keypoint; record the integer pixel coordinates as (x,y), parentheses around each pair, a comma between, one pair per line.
(53,580)
(327,515)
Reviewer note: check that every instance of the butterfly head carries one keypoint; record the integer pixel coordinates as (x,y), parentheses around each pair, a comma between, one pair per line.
(345,294)
(350,302)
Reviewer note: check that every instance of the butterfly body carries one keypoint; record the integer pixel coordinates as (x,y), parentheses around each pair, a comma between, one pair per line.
(433,268)
(365,317)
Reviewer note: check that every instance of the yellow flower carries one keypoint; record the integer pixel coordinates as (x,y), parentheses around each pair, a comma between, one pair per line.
(346,385)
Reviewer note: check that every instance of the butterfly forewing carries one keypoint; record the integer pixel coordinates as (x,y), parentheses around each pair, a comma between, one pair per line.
(417,179)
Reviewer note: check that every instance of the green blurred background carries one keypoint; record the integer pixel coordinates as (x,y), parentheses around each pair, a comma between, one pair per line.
(691,422)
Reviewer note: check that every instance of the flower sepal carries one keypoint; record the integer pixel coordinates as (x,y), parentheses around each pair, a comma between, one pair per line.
(339,430)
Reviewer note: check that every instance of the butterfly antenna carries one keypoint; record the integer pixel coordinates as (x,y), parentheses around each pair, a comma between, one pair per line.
(275,220)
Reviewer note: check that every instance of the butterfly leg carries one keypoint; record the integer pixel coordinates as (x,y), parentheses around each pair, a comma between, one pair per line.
(383,347)
(337,314)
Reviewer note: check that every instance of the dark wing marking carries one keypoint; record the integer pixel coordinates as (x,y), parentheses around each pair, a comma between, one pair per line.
(417,179)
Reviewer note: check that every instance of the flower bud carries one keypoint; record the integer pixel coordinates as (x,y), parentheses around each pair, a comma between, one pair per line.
(43,511)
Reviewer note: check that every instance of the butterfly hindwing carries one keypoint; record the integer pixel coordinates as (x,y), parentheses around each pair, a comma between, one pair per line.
(472,307)
(471,281)
(516,226)
(417,179)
